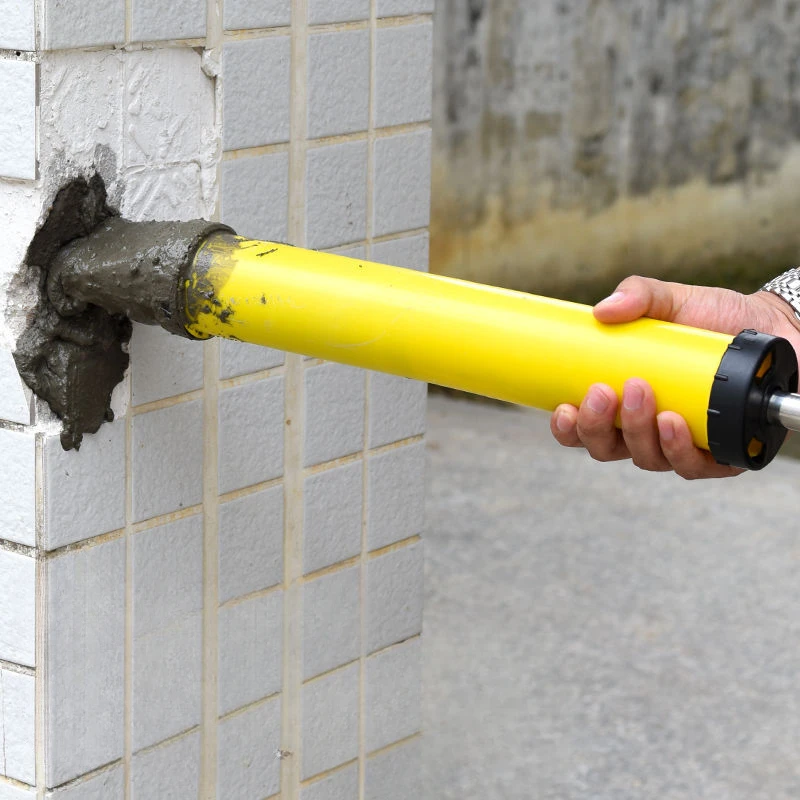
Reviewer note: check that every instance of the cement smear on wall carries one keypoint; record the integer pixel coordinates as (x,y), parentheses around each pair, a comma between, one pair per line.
(577,142)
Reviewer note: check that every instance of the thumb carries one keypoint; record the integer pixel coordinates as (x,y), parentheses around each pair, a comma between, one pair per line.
(643,297)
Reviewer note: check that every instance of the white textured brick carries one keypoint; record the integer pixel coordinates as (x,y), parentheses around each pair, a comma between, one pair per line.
(409,251)
(403,74)
(399,8)
(179,19)
(169,107)
(334,418)
(250,543)
(402,183)
(84,490)
(108,785)
(332,510)
(168,772)
(165,193)
(83,23)
(250,652)
(342,785)
(395,774)
(240,358)
(394,597)
(17,608)
(242,14)
(17,32)
(167,459)
(9,791)
(247,767)
(17,726)
(397,408)
(396,492)
(167,681)
(330,721)
(167,606)
(85,637)
(336,194)
(163,365)
(393,694)
(250,433)
(18,119)
(332,621)
(15,401)
(256,92)
(255,196)
(338,82)
(17,493)
(321,12)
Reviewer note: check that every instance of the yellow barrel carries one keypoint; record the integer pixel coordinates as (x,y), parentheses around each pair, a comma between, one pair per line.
(509,345)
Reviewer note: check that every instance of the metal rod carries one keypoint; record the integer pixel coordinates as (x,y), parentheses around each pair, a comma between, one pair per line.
(784,407)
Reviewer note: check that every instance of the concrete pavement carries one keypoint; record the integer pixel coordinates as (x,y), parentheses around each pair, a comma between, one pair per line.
(593,631)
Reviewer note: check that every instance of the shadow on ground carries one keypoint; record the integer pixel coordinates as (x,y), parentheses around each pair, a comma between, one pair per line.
(593,631)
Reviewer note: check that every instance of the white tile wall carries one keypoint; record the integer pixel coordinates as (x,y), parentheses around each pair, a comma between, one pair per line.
(396,8)
(241,14)
(15,404)
(107,785)
(17,608)
(239,358)
(80,23)
(338,82)
(18,31)
(17,487)
(180,19)
(248,766)
(395,773)
(14,791)
(408,251)
(341,785)
(171,770)
(330,721)
(325,11)
(397,408)
(17,734)
(18,119)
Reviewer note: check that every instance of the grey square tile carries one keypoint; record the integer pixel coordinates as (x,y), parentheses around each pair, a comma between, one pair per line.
(256,77)
(17,608)
(240,358)
(395,774)
(334,418)
(251,431)
(243,14)
(18,31)
(394,597)
(403,74)
(332,511)
(332,621)
(338,82)
(85,660)
(84,490)
(342,785)
(393,694)
(80,23)
(396,495)
(255,197)
(250,651)
(247,767)
(167,459)
(18,119)
(321,12)
(163,365)
(397,408)
(402,183)
(18,792)
(401,8)
(153,20)
(336,194)
(106,785)
(168,772)
(250,543)
(167,681)
(17,730)
(330,721)
(17,487)
(409,251)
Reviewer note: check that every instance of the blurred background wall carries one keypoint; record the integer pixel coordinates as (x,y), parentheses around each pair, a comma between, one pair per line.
(578,141)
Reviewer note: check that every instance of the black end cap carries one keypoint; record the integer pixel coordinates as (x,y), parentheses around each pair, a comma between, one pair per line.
(754,367)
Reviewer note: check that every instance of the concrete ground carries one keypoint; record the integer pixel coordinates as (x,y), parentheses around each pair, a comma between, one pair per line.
(593,631)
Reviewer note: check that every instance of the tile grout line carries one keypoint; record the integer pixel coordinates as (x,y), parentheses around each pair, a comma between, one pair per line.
(291,688)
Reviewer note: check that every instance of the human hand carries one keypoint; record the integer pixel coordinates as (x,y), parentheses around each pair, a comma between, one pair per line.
(662,442)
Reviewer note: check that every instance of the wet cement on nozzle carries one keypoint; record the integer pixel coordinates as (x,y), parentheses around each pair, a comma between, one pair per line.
(97,273)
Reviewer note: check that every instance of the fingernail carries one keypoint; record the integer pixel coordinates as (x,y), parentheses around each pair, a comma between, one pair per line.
(613,298)
(564,422)
(632,397)
(666,430)
(597,401)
